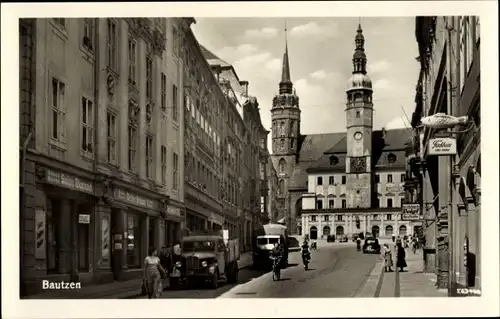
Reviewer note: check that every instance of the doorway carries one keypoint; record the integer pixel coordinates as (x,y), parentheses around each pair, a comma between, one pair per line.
(83,247)
(314,233)
(375,231)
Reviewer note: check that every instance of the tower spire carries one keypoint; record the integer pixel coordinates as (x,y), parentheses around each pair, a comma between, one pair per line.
(286,82)
(359,56)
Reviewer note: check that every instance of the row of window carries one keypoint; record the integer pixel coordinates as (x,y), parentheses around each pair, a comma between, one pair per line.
(331,203)
(326,218)
(331,179)
(87,134)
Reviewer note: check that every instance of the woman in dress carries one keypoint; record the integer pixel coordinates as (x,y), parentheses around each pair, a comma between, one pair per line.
(401,255)
(387,258)
(152,276)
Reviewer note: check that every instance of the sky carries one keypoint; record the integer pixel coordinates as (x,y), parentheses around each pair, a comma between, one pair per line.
(320,53)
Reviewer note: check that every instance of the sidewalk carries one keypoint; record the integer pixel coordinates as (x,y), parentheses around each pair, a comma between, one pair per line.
(117,289)
(413,282)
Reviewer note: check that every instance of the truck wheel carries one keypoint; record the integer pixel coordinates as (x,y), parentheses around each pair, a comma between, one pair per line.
(214,281)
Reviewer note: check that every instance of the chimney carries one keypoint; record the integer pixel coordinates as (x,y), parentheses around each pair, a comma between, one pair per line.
(244,85)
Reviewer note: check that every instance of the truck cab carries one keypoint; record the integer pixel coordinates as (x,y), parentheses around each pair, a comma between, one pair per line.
(210,259)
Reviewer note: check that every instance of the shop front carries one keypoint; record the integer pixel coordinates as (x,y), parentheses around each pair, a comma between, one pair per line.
(64,227)
(130,223)
(173,225)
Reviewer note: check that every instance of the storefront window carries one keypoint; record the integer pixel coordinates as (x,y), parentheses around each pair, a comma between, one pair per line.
(133,241)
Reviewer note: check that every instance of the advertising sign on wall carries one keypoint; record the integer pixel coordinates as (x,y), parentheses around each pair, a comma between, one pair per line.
(442,146)
(411,212)
(40,234)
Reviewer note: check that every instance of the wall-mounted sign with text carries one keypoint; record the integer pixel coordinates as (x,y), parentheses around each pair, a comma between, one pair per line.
(68,181)
(134,199)
(410,212)
(442,146)
(84,219)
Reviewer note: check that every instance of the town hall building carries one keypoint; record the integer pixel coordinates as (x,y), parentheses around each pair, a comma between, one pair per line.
(339,183)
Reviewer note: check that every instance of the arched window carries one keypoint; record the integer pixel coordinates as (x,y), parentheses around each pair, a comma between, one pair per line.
(389,230)
(313,233)
(339,231)
(282,165)
(326,231)
(282,128)
(334,160)
(282,187)
(282,144)
(402,230)
(391,158)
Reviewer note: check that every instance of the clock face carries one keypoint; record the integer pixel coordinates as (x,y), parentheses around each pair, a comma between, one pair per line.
(358,164)
(358,135)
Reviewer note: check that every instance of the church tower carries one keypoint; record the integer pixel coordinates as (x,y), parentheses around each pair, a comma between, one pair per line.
(285,116)
(359,122)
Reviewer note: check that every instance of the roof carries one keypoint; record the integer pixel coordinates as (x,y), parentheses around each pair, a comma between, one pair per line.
(212,59)
(384,142)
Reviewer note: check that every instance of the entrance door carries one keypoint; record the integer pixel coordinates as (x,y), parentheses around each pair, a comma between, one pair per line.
(375,231)
(314,233)
(83,247)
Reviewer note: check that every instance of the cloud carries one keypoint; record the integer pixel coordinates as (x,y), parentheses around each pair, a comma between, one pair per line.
(397,122)
(232,52)
(266,33)
(379,66)
(274,65)
(382,84)
(322,75)
(250,63)
(313,29)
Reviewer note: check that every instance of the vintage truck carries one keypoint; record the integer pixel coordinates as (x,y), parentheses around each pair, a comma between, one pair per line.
(265,236)
(210,258)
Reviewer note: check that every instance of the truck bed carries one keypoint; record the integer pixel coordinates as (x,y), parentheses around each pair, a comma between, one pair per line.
(233,246)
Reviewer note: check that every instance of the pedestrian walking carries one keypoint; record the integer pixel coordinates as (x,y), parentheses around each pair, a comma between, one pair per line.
(401,256)
(387,254)
(152,274)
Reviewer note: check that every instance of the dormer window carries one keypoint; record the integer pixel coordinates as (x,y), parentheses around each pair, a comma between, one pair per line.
(392,158)
(334,160)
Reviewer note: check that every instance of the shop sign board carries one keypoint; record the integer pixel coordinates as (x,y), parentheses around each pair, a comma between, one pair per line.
(69,181)
(411,212)
(133,199)
(84,218)
(442,146)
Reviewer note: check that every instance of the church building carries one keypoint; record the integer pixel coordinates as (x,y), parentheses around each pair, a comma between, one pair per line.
(340,183)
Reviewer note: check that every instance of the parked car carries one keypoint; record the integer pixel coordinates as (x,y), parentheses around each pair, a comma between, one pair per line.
(330,238)
(343,239)
(371,245)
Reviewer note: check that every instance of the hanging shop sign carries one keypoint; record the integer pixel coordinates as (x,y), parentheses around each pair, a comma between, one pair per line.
(411,212)
(68,181)
(442,146)
(84,218)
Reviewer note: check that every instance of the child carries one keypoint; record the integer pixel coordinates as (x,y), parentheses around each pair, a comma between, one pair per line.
(387,258)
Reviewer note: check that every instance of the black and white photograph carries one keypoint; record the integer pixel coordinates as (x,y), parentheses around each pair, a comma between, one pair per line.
(255,157)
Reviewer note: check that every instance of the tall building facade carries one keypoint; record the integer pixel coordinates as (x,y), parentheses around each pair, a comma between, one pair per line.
(449,83)
(107,152)
(340,183)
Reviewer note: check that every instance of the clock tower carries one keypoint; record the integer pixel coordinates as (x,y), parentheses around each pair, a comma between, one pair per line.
(359,121)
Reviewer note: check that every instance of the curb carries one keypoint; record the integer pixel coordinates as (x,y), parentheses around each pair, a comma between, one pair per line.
(373,284)
(136,294)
